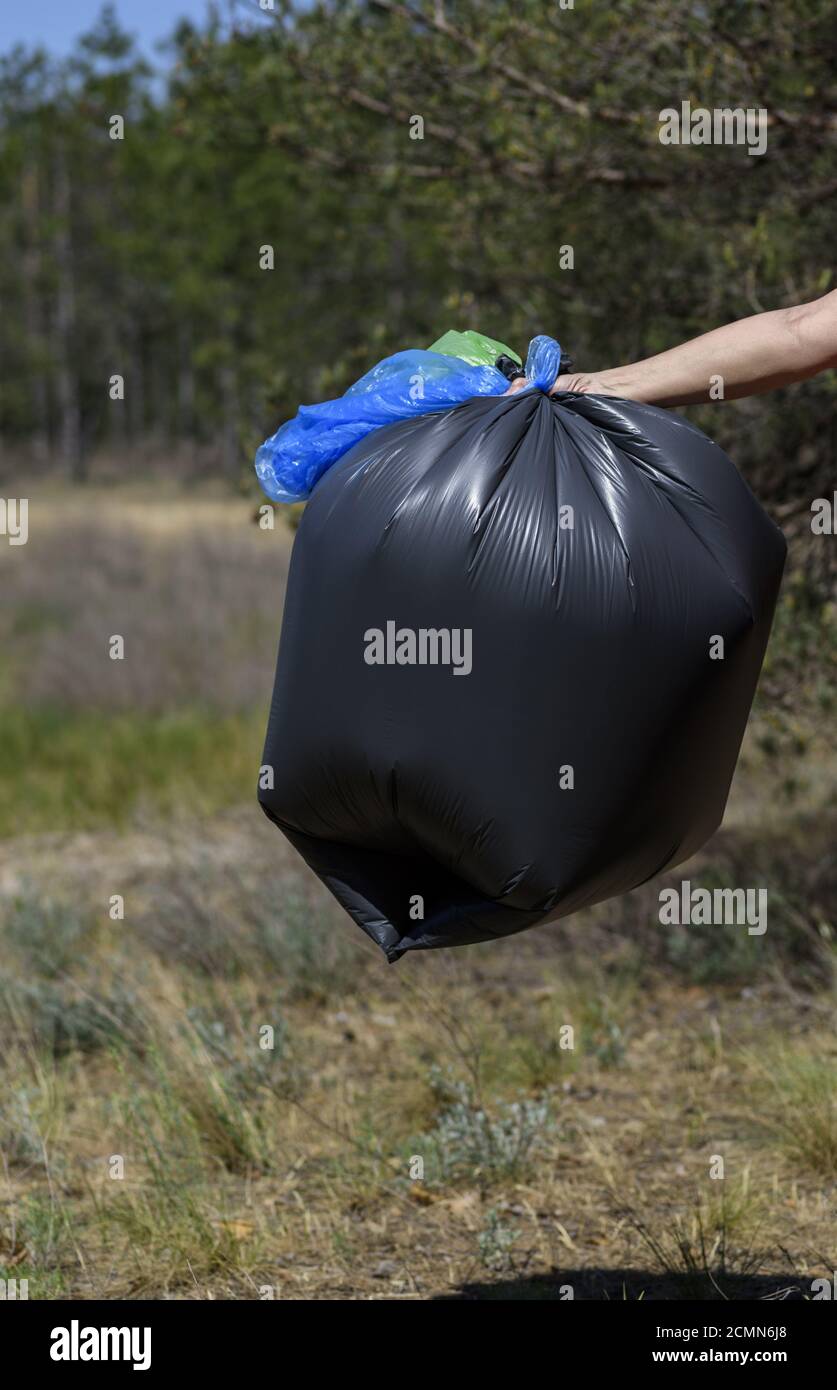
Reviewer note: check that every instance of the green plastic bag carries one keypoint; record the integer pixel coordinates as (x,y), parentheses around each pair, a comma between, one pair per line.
(472,347)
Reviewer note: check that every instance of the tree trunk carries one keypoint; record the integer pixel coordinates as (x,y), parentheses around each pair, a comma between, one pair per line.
(135,389)
(33,310)
(66,379)
(186,391)
(229,427)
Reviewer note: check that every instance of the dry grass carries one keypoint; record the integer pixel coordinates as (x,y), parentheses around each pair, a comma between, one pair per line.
(228,1094)
(290,1167)
(800,1085)
(195,590)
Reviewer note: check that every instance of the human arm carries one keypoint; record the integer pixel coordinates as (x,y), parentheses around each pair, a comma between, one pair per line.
(746,358)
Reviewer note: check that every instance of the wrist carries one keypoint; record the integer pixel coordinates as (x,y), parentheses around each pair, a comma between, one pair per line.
(624,382)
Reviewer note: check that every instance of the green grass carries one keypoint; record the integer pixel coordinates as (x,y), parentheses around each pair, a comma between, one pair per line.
(804,1112)
(82,771)
(716,1238)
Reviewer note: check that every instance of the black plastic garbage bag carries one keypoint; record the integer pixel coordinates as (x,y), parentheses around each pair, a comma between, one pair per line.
(520,644)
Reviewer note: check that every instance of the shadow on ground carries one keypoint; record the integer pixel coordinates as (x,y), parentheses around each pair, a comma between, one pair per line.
(633,1284)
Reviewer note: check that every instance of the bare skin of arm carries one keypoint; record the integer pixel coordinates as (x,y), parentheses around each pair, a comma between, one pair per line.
(751,356)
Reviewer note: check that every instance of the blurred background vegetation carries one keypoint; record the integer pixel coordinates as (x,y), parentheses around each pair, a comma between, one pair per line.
(141,257)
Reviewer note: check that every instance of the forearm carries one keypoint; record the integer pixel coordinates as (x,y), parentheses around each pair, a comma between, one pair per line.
(740,359)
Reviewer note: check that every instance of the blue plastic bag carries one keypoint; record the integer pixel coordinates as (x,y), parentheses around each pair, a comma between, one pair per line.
(415,382)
